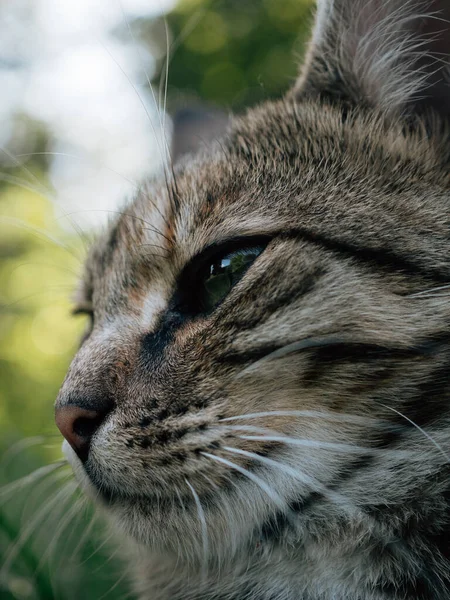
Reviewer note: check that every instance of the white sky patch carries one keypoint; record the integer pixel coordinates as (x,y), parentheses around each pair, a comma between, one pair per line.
(62,64)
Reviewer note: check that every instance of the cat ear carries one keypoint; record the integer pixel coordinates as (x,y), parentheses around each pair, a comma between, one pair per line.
(194,129)
(391,54)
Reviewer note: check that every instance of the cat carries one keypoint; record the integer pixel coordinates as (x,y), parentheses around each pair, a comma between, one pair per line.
(262,403)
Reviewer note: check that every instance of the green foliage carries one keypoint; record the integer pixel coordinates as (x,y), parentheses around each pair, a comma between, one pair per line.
(41,520)
(226,52)
(237,52)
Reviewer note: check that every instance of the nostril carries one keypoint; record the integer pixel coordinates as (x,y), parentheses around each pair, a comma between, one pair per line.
(78,425)
(85,427)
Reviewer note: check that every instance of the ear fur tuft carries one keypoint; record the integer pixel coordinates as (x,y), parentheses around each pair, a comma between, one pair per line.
(390,54)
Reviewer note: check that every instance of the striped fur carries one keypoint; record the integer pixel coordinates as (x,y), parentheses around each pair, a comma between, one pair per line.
(294,442)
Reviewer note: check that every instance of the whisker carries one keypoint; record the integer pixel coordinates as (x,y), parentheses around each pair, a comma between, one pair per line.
(40,473)
(40,494)
(191,24)
(27,557)
(38,520)
(333,446)
(20,446)
(153,246)
(113,587)
(25,169)
(136,91)
(132,36)
(430,295)
(302,477)
(162,121)
(203,529)
(263,485)
(38,189)
(61,528)
(52,288)
(153,255)
(427,435)
(37,231)
(26,185)
(118,212)
(52,266)
(430,290)
(78,157)
(87,532)
(313,414)
(276,436)
(166,82)
(97,549)
(110,557)
(304,344)
(128,78)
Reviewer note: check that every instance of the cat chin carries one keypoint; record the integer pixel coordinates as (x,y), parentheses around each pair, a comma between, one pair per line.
(171,536)
(78,470)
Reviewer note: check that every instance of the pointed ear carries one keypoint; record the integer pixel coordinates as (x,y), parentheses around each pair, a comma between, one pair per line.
(390,54)
(195,128)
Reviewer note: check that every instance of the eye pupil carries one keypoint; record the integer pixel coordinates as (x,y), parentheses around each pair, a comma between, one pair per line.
(223,273)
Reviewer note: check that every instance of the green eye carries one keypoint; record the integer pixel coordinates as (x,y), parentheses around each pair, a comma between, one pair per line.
(223,273)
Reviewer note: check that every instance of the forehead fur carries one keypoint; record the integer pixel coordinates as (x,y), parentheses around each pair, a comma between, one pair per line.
(300,163)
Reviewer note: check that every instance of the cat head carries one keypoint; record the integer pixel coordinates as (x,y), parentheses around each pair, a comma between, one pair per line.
(264,342)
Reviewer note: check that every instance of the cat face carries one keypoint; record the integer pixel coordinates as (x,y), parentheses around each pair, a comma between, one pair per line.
(262,335)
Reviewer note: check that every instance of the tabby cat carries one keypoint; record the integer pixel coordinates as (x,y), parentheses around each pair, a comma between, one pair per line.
(262,403)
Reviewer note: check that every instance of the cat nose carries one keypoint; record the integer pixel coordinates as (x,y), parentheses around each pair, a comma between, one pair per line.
(78,425)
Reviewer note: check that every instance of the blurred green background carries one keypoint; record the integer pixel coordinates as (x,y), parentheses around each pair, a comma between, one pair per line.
(229,54)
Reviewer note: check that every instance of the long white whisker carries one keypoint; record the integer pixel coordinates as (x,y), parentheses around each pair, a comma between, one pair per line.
(128,78)
(39,232)
(98,548)
(40,492)
(141,100)
(50,265)
(118,212)
(192,23)
(203,529)
(429,291)
(61,528)
(42,189)
(166,82)
(302,477)
(87,532)
(51,288)
(113,587)
(132,36)
(65,493)
(427,435)
(31,478)
(20,445)
(304,344)
(110,558)
(263,485)
(78,157)
(332,446)
(162,121)
(313,414)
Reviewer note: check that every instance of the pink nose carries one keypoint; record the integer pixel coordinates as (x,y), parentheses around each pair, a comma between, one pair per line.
(78,426)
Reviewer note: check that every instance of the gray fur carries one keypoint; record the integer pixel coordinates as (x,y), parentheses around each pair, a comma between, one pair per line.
(340,328)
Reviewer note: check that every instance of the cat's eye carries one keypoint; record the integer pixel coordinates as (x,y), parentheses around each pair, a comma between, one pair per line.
(221,273)
(87,311)
(82,309)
